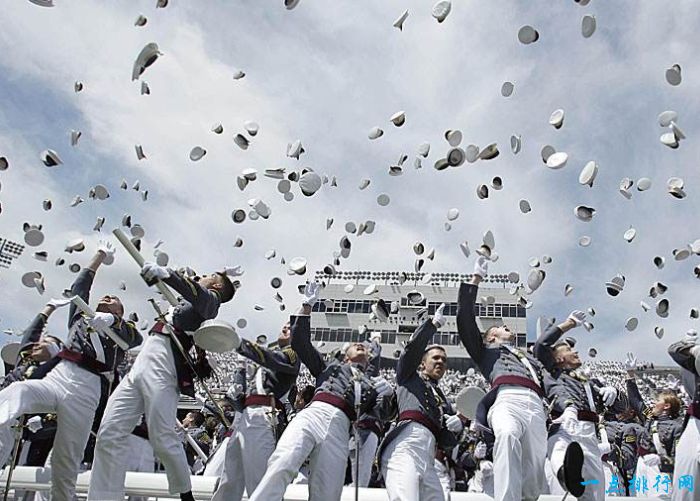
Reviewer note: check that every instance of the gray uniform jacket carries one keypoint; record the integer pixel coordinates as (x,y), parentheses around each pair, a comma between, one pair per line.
(632,436)
(668,429)
(280,368)
(372,421)
(195,305)
(24,367)
(681,354)
(565,387)
(493,362)
(99,354)
(498,364)
(419,394)
(333,378)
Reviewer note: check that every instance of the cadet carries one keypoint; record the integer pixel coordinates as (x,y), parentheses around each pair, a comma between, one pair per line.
(663,426)
(263,416)
(513,408)
(369,425)
(686,353)
(153,387)
(72,388)
(321,430)
(575,400)
(426,419)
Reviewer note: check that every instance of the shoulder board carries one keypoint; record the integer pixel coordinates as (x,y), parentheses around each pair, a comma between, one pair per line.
(291,354)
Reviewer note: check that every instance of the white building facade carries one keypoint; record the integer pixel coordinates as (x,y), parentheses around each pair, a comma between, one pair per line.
(344,313)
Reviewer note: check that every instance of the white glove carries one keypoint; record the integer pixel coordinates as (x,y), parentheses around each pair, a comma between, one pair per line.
(481,266)
(569,414)
(439,317)
(34,424)
(233,271)
(108,250)
(486,468)
(381,386)
(375,336)
(197,466)
(311,293)
(453,423)
(578,317)
(651,460)
(608,394)
(604,448)
(101,321)
(59,303)
(152,271)
(630,362)
(480,450)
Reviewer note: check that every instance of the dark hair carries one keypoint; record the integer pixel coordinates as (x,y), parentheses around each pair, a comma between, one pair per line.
(198,418)
(210,424)
(433,347)
(227,289)
(488,331)
(307,393)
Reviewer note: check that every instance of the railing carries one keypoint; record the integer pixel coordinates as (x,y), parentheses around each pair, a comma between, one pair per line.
(155,485)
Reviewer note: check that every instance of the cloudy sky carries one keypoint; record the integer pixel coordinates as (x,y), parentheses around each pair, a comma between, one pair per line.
(326,73)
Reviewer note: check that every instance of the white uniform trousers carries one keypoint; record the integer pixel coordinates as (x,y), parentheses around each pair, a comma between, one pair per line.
(443,474)
(320,432)
(518,422)
(687,462)
(7,443)
(368,449)
(215,465)
(584,433)
(141,458)
(247,453)
(612,471)
(73,394)
(408,466)
(150,388)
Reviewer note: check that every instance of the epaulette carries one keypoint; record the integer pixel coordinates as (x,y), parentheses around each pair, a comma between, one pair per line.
(291,355)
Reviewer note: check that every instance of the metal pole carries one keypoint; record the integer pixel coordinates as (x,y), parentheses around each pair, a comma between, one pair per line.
(357,460)
(13,463)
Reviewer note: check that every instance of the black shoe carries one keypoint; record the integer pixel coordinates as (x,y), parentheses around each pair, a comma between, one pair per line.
(186,496)
(570,473)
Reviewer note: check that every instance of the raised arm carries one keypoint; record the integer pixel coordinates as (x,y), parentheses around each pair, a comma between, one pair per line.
(469,332)
(33,332)
(284,361)
(204,301)
(544,346)
(375,357)
(301,344)
(636,400)
(81,288)
(82,285)
(412,354)
(686,352)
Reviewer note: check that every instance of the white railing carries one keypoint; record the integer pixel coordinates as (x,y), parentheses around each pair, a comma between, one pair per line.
(155,485)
